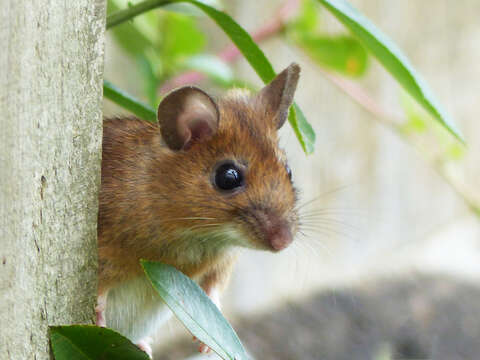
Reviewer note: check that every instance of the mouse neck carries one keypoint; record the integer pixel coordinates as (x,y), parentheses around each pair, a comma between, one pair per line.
(192,252)
(190,247)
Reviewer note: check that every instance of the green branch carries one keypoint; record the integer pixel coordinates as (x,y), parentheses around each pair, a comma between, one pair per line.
(121,16)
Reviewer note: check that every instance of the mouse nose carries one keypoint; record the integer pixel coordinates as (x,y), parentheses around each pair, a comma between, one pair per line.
(276,231)
(279,237)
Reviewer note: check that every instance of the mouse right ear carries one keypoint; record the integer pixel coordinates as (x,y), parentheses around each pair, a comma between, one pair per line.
(187,115)
(277,96)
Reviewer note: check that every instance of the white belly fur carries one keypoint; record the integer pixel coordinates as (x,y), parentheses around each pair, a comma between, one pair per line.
(135,310)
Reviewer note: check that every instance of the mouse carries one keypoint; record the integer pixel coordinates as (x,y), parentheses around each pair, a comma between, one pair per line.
(189,191)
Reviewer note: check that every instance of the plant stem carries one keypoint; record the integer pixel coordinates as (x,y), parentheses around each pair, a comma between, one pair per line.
(357,94)
(121,16)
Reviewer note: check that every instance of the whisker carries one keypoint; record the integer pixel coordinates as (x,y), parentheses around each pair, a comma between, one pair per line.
(329,221)
(322,196)
(203,226)
(331,211)
(188,218)
(322,246)
(327,230)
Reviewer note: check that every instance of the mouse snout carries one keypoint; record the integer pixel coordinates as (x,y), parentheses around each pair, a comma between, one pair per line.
(276,231)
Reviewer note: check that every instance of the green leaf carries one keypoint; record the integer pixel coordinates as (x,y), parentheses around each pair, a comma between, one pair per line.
(118,96)
(181,36)
(236,33)
(85,342)
(419,121)
(195,310)
(392,58)
(150,79)
(340,53)
(129,36)
(241,39)
(188,9)
(301,127)
(307,20)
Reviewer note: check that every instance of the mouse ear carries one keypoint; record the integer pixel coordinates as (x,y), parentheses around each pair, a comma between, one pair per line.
(187,115)
(277,96)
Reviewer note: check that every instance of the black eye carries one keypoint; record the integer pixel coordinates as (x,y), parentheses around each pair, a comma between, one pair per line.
(228,177)
(289,171)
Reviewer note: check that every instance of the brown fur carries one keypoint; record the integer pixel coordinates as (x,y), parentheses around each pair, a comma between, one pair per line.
(150,192)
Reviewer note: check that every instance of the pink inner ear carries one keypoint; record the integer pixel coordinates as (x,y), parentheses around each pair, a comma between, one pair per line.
(186,116)
(199,131)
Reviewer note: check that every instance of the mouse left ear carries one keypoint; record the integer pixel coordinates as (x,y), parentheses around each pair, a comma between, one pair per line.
(187,115)
(277,96)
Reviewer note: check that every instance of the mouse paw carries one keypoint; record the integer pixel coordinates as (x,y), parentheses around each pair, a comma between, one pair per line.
(100,316)
(144,345)
(202,348)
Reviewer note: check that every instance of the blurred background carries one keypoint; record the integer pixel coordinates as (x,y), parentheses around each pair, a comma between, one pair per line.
(389,267)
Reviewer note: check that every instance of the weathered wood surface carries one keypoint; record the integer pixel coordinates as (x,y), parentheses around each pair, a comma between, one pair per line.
(51,67)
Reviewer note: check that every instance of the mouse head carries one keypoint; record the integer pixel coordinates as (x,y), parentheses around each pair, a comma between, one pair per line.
(226,177)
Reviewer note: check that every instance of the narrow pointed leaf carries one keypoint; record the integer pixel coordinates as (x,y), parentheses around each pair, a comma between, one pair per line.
(118,96)
(392,58)
(344,54)
(195,310)
(300,125)
(88,342)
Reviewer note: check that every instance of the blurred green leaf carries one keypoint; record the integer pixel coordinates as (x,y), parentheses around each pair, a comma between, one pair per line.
(307,20)
(212,66)
(236,33)
(150,79)
(340,53)
(88,342)
(181,36)
(120,97)
(128,36)
(419,121)
(241,39)
(188,9)
(391,57)
(195,310)
(416,119)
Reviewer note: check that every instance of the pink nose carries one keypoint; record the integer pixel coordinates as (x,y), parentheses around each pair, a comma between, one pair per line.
(278,236)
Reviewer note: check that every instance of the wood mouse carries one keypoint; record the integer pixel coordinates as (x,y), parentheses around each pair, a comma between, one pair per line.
(209,178)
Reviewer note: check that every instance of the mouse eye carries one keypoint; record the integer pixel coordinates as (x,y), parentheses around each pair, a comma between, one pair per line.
(289,172)
(228,177)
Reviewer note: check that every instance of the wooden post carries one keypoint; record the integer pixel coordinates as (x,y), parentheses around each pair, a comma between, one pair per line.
(51,72)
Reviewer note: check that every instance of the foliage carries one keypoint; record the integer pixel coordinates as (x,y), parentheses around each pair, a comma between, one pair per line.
(391,57)
(195,310)
(84,342)
(179,44)
(186,300)
(341,53)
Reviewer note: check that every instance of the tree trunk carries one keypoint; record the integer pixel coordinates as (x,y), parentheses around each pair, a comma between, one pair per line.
(51,67)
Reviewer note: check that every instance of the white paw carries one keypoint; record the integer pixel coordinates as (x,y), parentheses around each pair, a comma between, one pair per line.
(144,345)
